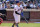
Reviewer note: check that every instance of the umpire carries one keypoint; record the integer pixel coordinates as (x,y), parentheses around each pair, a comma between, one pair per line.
(3,10)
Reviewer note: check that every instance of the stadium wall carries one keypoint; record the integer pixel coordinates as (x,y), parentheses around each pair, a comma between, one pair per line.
(34,15)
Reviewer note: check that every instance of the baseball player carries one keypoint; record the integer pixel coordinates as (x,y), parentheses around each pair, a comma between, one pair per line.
(17,12)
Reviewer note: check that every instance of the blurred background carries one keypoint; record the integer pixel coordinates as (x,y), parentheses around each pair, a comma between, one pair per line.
(27,4)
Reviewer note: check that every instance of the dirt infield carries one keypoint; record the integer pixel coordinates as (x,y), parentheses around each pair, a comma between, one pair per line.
(13,22)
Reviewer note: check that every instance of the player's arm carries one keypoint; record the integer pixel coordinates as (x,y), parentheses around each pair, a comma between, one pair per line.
(17,13)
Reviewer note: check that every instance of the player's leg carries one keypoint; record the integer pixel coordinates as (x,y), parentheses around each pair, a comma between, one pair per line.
(17,24)
(17,20)
(14,21)
(13,24)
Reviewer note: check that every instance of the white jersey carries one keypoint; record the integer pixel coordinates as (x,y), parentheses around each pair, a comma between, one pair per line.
(17,8)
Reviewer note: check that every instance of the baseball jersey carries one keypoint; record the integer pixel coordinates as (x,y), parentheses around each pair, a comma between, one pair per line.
(18,8)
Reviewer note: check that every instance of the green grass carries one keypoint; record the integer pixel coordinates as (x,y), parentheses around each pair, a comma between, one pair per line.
(22,24)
